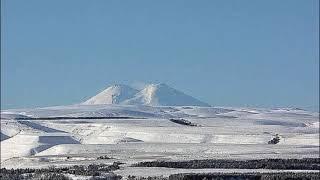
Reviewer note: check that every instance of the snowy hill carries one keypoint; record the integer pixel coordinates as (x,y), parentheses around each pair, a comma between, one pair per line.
(151,95)
(150,134)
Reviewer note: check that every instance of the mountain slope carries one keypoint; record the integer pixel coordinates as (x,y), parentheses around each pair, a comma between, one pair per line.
(112,95)
(163,95)
(151,95)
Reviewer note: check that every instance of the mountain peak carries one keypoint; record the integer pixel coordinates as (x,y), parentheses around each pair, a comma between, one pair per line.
(112,95)
(123,86)
(159,85)
(152,94)
(118,85)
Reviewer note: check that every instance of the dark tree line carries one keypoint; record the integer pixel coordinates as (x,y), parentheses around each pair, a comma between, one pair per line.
(183,122)
(93,170)
(303,164)
(245,176)
(233,176)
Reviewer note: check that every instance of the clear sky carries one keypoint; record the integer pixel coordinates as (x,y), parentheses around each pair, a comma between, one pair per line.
(261,53)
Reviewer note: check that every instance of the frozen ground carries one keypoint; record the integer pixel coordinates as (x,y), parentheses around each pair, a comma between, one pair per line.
(221,132)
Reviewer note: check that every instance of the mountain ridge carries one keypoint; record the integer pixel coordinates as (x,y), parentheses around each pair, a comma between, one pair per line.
(151,95)
(112,95)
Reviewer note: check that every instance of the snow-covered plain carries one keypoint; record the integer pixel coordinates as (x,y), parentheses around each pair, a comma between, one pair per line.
(221,132)
(148,134)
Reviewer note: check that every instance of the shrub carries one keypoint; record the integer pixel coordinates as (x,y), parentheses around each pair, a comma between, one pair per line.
(275,140)
(104,157)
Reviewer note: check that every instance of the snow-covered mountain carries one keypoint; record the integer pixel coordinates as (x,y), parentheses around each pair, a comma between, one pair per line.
(114,94)
(152,95)
(163,95)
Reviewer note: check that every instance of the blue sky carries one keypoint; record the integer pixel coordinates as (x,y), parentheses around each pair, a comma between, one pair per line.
(225,52)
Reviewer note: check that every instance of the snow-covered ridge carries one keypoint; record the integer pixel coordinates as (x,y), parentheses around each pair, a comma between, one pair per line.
(152,95)
(114,94)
